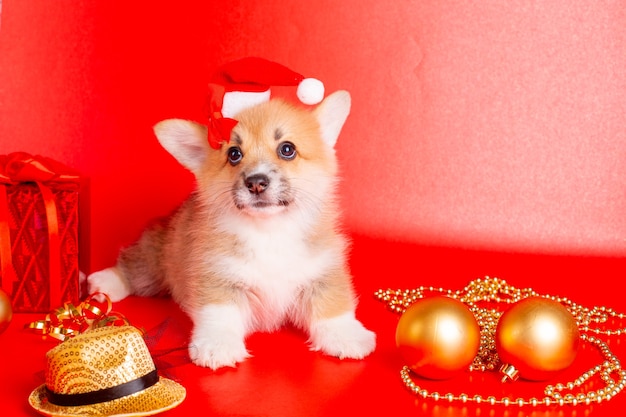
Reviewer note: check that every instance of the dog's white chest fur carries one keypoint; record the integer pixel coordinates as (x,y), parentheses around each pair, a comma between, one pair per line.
(274,264)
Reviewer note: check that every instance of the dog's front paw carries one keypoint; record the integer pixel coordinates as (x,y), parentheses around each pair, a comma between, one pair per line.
(110,282)
(342,336)
(218,336)
(218,350)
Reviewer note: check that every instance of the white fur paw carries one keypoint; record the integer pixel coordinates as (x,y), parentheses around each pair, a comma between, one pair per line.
(218,351)
(218,337)
(110,282)
(342,336)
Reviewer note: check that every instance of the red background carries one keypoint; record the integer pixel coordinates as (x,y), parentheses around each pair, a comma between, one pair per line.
(489,134)
(477,124)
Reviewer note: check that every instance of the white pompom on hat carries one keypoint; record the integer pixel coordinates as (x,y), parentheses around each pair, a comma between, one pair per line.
(310,91)
(246,82)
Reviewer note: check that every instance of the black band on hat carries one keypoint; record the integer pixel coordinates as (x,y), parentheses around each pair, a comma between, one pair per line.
(105,394)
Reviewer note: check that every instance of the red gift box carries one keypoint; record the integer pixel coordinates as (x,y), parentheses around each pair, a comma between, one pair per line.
(38,232)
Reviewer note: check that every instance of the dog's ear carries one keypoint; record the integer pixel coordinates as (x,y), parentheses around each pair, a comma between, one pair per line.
(332,114)
(185,140)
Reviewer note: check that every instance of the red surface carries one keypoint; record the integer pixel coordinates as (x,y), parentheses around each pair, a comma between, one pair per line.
(285,379)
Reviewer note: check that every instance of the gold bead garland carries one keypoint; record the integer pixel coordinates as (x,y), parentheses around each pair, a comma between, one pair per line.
(483,297)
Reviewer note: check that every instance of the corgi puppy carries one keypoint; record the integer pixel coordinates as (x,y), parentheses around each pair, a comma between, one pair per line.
(257,243)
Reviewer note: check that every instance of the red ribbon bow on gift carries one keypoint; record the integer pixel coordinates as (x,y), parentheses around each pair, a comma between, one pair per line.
(20,167)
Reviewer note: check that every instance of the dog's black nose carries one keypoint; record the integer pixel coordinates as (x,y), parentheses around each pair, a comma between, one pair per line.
(257,183)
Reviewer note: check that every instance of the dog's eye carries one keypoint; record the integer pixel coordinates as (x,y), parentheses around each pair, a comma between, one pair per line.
(287,150)
(234,155)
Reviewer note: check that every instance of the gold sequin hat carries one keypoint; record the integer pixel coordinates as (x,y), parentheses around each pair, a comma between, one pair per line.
(107,371)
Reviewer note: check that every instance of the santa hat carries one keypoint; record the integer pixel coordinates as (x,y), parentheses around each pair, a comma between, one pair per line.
(247,82)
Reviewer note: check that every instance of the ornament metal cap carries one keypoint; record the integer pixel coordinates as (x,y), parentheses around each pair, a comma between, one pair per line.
(509,372)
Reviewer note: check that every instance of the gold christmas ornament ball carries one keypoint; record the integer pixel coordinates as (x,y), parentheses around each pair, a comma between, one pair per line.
(438,337)
(536,338)
(6,312)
